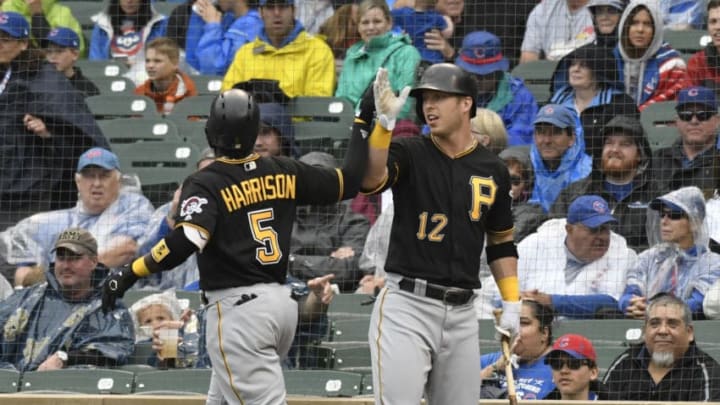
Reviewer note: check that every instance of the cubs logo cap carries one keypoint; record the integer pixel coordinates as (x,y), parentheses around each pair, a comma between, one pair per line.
(14,24)
(556,115)
(77,240)
(577,346)
(64,37)
(481,54)
(697,95)
(591,211)
(98,157)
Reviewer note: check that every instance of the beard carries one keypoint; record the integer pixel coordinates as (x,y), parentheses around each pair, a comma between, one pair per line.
(663,359)
(617,167)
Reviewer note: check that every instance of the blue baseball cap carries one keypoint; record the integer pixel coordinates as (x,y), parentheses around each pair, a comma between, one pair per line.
(14,24)
(64,37)
(591,211)
(696,95)
(284,2)
(98,157)
(557,115)
(481,54)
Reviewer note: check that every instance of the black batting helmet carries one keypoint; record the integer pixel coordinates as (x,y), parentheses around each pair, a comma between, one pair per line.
(447,78)
(234,122)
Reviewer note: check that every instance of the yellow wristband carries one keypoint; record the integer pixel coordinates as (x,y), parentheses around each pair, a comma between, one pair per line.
(509,288)
(380,137)
(139,268)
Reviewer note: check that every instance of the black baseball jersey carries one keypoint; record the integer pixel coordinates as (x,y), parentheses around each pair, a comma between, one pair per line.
(247,207)
(443,208)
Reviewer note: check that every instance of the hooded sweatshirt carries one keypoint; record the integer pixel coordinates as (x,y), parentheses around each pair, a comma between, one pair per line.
(659,73)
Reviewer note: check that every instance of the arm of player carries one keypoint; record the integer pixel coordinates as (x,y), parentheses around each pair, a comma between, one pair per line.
(502,258)
(387,106)
(171,251)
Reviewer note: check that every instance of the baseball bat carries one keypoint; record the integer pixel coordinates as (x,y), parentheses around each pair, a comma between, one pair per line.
(505,342)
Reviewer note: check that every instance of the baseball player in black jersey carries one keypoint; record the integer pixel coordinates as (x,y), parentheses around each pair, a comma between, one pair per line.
(238,213)
(450,193)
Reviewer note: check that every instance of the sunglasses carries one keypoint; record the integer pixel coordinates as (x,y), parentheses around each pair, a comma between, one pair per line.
(673,215)
(516,180)
(573,364)
(701,115)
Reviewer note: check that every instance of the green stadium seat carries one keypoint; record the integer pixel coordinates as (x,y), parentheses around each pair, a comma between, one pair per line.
(658,121)
(687,41)
(113,85)
(208,84)
(101,68)
(165,7)
(324,383)
(196,107)
(347,357)
(106,106)
(322,123)
(189,381)
(537,76)
(350,330)
(192,132)
(131,130)
(9,381)
(350,305)
(367,385)
(84,381)
(83,11)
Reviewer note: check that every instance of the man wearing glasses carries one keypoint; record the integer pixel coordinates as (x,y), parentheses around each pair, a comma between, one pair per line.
(668,366)
(679,261)
(694,160)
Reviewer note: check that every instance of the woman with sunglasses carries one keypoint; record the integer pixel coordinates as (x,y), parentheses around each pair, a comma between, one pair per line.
(533,378)
(679,261)
(574,368)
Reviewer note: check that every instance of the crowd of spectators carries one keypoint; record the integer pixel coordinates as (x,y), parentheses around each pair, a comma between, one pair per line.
(605,225)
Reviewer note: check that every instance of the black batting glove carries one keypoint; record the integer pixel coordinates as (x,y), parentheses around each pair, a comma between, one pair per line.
(115,285)
(366,111)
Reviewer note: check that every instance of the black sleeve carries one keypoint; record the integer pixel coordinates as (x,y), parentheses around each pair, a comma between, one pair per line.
(356,159)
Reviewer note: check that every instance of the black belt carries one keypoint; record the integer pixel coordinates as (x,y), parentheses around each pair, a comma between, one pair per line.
(448,295)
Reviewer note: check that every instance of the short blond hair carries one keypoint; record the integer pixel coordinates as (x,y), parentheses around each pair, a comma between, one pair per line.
(488,122)
(165,46)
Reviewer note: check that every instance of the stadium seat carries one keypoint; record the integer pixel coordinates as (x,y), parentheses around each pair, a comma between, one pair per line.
(350,330)
(325,383)
(164,7)
(189,381)
(347,357)
(80,380)
(207,84)
(192,132)
(83,11)
(687,41)
(196,107)
(658,121)
(537,76)
(322,123)
(106,106)
(660,137)
(350,305)
(9,381)
(131,130)
(100,68)
(161,166)
(367,385)
(113,85)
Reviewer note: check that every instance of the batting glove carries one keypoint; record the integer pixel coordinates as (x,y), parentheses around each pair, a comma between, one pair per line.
(115,285)
(509,324)
(387,104)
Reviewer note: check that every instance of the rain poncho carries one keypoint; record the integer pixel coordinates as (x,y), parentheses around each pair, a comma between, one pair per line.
(32,239)
(665,267)
(38,321)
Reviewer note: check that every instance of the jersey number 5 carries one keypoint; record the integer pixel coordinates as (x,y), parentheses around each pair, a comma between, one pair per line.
(270,252)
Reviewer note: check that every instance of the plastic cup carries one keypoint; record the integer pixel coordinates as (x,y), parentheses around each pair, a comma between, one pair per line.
(169,338)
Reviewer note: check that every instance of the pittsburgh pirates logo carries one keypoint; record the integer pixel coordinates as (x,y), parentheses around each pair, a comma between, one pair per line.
(483,193)
(190,206)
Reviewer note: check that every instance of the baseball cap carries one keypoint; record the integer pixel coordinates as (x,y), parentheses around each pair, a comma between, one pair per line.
(591,211)
(78,241)
(555,114)
(577,346)
(98,157)
(481,54)
(285,2)
(696,95)
(14,24)
(64,37)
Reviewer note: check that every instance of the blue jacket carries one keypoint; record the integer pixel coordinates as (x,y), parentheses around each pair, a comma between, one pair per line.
(103,32)
(517,107)
(38,321)
(216,47)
